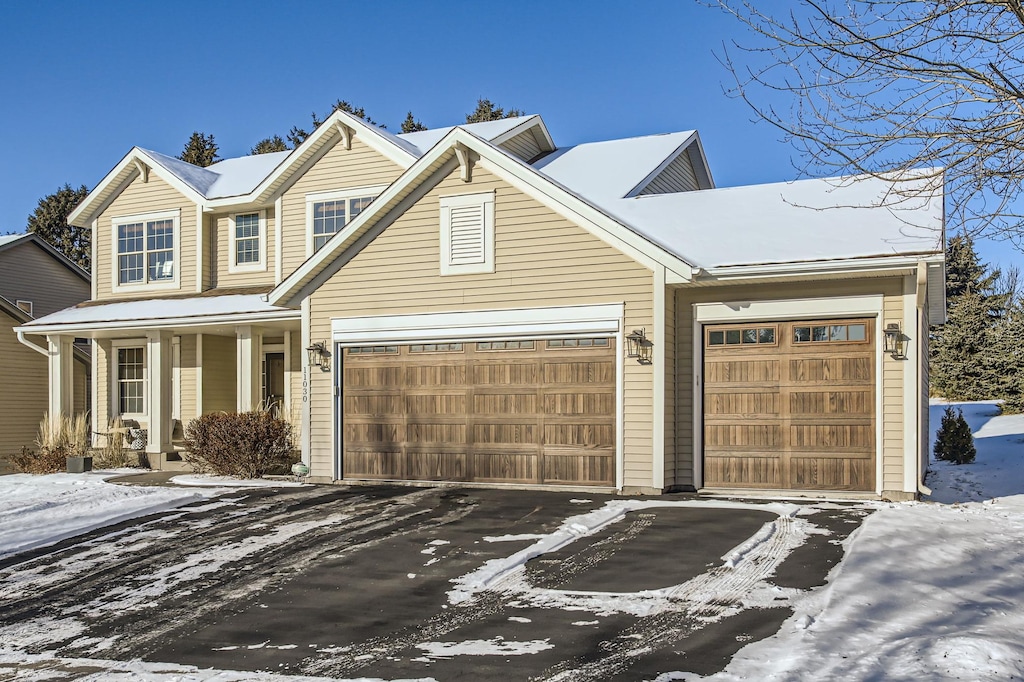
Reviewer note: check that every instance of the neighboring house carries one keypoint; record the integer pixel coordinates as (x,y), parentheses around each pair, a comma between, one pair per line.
(35,280)
(476,304)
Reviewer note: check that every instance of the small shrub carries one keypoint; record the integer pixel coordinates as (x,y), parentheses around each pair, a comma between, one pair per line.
(242,444)
(59,438)
(954,441)
(38,461)
(114,454)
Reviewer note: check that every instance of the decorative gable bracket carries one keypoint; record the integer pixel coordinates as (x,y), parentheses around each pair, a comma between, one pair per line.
(346,135)
(143,170)
(467,157)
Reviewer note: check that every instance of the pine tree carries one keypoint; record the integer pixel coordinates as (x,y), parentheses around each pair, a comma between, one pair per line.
(200,150)
(50,222)
(964,357)
(1008,360)
(954,442)
(486,110)
(269,145)
(297,135)
(411,125)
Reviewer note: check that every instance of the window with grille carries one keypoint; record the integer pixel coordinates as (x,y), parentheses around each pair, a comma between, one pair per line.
(248,242)
(145,249)
(329,212)
(131,366)
(467,234)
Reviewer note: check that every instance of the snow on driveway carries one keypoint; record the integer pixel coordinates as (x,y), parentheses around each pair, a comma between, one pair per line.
(36,511)
(928,591)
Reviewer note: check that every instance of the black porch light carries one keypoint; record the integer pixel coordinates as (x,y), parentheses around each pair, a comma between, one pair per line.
(893,342)
(318,356)
(639,346)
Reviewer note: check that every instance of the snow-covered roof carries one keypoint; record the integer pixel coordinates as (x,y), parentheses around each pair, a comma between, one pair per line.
(241,175)
(610,169)
(488,130)
(10,238)
(788,222)
(149,313)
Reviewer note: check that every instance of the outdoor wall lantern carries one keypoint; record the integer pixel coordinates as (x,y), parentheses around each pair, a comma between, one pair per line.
(639,346)
(893,344)
(319,356)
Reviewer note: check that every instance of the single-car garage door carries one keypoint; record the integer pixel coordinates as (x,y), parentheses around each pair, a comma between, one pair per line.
(790,405)
(499,411)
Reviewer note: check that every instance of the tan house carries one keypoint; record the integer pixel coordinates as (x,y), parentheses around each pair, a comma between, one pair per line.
(476,304)
(35,280)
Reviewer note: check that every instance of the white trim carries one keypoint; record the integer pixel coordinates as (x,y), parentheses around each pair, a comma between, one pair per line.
(278,241)
(553,322)
(175,379)
(727,273)
(305,440)
(175,282)
(199,375)
(200,251)
(175,322)
(870,305)
(259,266)
(288,373)
(94,281)
(113,367)
(94,398)
(335,195)
(911,389)
(485,202)
(21,303)
(539,323)
(658,381)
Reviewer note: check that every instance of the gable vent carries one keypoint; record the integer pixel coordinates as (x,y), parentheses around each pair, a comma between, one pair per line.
(468,241)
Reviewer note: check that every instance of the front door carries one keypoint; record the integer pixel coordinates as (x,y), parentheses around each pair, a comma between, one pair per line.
(273,382)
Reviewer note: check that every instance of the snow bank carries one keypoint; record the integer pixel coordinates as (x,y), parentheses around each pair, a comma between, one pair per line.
(36,511)
(209,480)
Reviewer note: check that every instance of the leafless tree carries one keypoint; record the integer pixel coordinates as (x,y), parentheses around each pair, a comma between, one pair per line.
(866,87)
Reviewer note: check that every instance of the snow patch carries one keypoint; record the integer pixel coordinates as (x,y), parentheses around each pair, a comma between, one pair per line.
(496,646)
(209,480)
(512,538)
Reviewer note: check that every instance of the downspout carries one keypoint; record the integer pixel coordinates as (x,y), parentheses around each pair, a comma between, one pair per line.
(922,316)
(37,348)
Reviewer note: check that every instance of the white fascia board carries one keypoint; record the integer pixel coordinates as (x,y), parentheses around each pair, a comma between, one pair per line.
(699,146)
(534,121)
(661,166)
(788,309)
(166,322)
(850,265)
(552,322)
(319,137)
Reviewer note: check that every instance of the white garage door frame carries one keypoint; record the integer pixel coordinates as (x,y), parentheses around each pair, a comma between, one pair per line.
(782,309)
(555,322)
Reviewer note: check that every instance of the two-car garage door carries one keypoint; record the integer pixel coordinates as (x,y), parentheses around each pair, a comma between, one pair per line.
(790,405)
(535,411)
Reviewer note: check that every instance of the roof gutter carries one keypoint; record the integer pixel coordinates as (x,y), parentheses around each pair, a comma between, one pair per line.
(200,321)
(34,346)
(852,265)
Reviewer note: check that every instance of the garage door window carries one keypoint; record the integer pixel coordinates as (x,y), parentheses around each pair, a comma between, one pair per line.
(369,350)
(743,336)
(577,343)
(436,348)
(505,345)
(831,333)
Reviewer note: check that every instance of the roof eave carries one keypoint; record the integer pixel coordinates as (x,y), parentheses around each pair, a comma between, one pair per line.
(864,264)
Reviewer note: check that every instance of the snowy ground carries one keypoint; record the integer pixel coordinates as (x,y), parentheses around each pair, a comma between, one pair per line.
(928,591)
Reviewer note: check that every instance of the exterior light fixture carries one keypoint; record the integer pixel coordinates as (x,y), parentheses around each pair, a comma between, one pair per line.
(639,346)
(319,356)
(893,343)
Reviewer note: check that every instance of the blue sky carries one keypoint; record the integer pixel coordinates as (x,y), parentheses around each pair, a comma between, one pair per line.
(84,82)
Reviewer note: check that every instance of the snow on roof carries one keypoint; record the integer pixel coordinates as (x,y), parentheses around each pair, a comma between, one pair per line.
(199,179)
(787,222)
(9,238)
(488,130)
(242,174)
(164,308)
(610,169)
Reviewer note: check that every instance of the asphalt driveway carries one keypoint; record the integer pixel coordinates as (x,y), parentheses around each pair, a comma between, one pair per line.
(450,584)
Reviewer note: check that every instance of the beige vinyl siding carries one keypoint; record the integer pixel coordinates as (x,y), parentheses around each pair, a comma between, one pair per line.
(892,371)
(138,198)
(677,176)
(189,374)
(524,145)
(26,395)
(219,374)
(223,254)
(338,169)
(541,259)
(29,273)
(80,393)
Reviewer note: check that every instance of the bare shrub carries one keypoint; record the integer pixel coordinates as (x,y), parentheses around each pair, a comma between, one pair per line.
(59,438)
(115,454)
(38,461)
(242,444)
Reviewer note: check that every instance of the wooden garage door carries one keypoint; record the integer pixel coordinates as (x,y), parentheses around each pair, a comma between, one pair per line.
(790,405)
(506,411)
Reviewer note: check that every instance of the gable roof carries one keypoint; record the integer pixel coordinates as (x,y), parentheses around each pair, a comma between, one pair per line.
(12,240)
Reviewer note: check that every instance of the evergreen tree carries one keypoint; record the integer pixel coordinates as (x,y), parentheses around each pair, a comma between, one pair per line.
(297,135)
(1008,360)
(200,150)
(50,222)
(954,442)
(269,145)
(411,125)
(486,110)
(964,357)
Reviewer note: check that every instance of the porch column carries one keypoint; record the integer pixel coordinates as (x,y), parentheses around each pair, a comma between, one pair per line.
(248,356)
(62,387)
(158,398)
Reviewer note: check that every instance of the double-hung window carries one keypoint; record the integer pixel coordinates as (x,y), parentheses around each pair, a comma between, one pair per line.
(327,213)
(248,233)
(145,248)
(131,376)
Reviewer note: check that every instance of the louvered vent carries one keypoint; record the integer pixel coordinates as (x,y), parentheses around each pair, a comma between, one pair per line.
(467,245)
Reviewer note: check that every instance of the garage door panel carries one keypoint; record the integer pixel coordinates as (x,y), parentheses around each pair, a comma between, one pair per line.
(587,372)
(434,466)
(374,404)
(373,377)
(374,432)
(497,467)
(453,433)
(504,373)
(502,402)
(514,432)
(574,469)
(582,435)
(579,403)
(435,375)
(375,463)
(433,403)
(798,412)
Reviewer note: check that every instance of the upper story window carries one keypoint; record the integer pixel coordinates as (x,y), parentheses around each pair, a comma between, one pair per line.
(248,236)
(145,250)
(328,212)
(467,234)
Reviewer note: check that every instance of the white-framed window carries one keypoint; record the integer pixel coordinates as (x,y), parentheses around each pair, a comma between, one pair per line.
(146,250)
(248,242)
(26,306)
(327,213)
(467,234)
(129,378)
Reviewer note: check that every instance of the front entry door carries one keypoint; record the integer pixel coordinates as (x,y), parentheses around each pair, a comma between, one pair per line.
(273,382)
